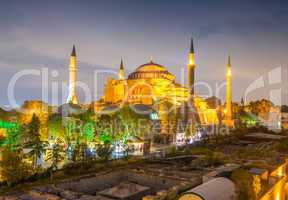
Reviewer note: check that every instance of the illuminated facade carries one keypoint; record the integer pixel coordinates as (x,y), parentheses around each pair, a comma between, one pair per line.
(152,84)
(72,95)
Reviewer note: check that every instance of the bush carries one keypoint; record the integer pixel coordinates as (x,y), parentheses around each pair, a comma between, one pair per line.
(214,158)
(172,151)
(104,151)
(200,151)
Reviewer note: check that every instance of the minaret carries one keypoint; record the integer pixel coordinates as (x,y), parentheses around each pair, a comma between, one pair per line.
(121,71)
(191,68)
(72,97)
(228,110)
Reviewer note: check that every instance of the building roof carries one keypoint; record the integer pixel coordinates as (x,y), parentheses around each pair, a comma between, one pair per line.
(151,66)
(218,188)
(151,70)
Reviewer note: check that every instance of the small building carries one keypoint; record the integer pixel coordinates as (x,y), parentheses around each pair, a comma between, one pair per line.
(215,189)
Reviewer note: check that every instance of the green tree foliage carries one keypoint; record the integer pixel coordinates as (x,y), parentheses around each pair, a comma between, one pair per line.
(13,168)
(79,152)
(13,138)
(86,116)
(122,124)
(213,158)
(88,132)
(104,151)
(56,128)
(34,142)
(262,106)
(55,155)
(172,151)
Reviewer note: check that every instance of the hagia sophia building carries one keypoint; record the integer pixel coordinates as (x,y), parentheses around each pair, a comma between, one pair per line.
(152,85)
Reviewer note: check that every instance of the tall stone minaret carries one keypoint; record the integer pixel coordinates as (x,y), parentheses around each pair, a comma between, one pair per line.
(121,71)
(191,68)
(228,110)
(72,97)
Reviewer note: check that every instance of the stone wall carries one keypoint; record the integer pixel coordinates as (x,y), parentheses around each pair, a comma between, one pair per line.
(93,184)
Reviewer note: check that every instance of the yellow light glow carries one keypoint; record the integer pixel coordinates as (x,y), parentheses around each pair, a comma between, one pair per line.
(280,171)
(191,62)
(229,73)
(191,59)
(278,196)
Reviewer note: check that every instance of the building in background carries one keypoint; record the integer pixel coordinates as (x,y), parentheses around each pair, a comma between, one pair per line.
(153,85)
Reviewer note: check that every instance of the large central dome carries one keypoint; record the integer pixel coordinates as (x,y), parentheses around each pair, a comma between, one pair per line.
(151,70)
(150,67)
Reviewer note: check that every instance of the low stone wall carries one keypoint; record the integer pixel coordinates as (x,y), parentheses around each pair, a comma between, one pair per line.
(99,182)
(94,184)
(88,187)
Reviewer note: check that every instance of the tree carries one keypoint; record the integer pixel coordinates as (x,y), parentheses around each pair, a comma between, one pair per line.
(79,152)
(13,168)
(55,126)
(284,108)
(13,138)
(261,107)
(104,151)
(34,142)
(56,155)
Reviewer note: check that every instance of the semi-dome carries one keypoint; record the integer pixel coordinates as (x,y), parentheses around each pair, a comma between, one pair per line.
(151,70)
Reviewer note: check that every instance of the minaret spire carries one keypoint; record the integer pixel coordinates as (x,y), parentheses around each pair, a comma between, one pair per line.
(72,96)
(191,46)
(73,51)
(228,110)
(191,68)
(121,71)
(229,61)
(121,64)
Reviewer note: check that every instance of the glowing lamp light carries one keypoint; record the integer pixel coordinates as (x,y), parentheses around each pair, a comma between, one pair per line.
(280,171)
(229,73)
(191,63)
(278,196)
(154,116)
